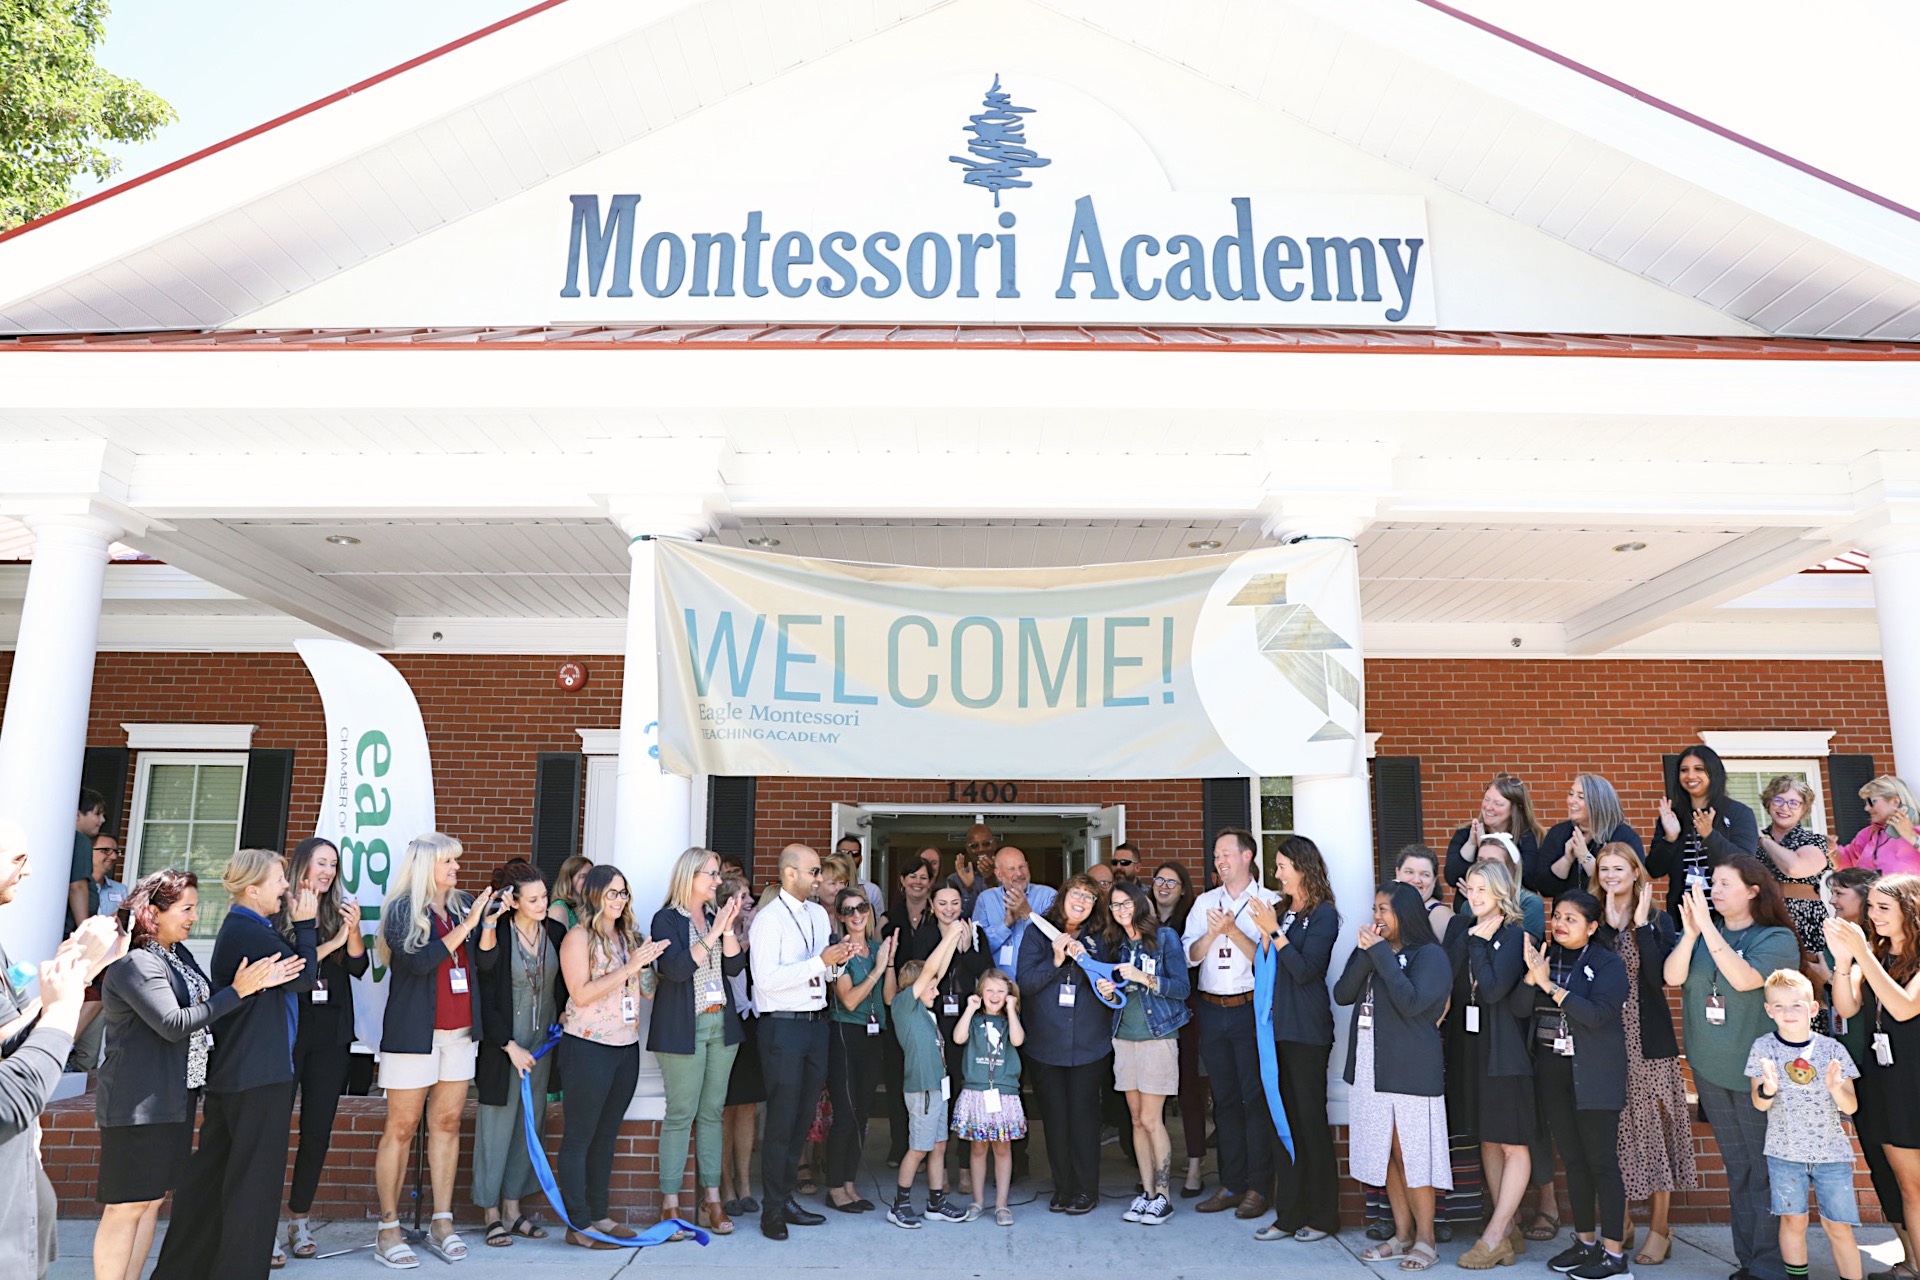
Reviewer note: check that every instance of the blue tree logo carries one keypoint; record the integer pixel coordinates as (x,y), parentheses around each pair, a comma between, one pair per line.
(999,145)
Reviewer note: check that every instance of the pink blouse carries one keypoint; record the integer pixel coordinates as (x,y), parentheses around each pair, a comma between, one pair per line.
(1881,849)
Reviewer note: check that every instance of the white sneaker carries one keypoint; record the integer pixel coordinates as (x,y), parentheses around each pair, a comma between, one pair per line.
(1156,1212)
(1134,1210)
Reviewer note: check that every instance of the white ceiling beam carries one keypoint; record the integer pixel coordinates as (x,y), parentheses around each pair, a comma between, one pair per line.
(1728,571)
(133,582)
(345,486)
(229,559)
(1609,487)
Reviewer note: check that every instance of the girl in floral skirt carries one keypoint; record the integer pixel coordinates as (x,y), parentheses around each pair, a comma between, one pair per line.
(989,1108)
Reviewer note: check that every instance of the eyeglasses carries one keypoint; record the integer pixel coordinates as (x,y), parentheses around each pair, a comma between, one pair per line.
(618,893)
(1787,802)
(1121,904)
(1082,898)
(1167,882)
(715,874)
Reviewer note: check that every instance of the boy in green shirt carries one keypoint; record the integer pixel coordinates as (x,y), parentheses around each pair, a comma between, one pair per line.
(925,1085)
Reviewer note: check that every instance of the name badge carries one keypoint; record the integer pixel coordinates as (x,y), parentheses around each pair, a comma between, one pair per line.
(1366,1016)
(946,1088)
(1067,990)
(1716,1011)
(629,1008)
(1473,1017)
(813,983)
(950,1006)
(1226,956)
(1696,878)
(319,993)
(990,1102)
(1882,1049)
(1006,957)
(873,1025)
(1839,1024)
(1563,1045)
(458,977)
(1147,965)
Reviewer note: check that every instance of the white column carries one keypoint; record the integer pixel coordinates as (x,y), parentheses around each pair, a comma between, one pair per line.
(1894,561)
(43,732)
(653,814)
(1335,811)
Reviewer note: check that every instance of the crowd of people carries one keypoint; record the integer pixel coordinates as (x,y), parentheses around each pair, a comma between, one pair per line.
(1520,1023)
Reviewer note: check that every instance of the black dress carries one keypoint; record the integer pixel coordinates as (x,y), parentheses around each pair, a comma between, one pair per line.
(1891,1093)
(1487,1107)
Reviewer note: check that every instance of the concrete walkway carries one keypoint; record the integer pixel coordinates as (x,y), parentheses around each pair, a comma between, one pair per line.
(868,1248)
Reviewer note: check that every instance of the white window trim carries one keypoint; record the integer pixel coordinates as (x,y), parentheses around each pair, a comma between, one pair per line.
(190,737)
(142,777)
(599,742)
(1785,744)
(1816,819)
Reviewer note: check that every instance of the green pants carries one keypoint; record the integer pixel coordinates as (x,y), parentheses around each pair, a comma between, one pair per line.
(696,1092)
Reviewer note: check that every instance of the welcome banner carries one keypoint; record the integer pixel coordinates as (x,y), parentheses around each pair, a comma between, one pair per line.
(378,793)
(1204,667)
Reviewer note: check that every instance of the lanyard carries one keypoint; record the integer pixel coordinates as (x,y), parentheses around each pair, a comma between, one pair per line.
(1738,951)
(533,961)
(805,931)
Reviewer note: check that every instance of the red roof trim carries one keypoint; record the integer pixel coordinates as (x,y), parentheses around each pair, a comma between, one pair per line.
(277,121)
(875,337)
(1680,113)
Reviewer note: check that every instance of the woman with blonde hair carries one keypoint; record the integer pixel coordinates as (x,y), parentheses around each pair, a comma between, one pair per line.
(695,1033)
(429,1041)
(1656,1130)
(601,960)
(226,1209)
(1489,1071)
(568,886)
(1567,852)
(1888,843)
(1506,807)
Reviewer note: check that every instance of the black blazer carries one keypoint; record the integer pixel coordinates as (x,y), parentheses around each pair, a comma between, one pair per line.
(1302,1011)
(1407,1056)
(148,1023)
(672,1028)
(1539,875)
(253,1044)
(1654,942)
(1458,864)
(1498,966)
(333,1019)
(412,978)
(1596,993)
(494,1074)
(1734,831)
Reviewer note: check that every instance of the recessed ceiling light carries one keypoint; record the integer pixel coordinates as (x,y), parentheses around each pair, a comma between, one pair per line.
(1631,546)
(1206,544)
(343,540)
(763,541)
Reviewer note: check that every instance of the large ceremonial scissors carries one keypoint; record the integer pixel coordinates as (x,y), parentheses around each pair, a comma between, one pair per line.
(1094,968)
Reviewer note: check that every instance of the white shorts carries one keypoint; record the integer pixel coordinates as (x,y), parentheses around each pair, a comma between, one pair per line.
(453,1057)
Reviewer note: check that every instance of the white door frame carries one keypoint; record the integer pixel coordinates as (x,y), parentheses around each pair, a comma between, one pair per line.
(864,814)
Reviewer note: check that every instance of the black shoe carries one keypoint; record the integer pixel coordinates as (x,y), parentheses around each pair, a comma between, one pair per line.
(773,1226)
(1577,1254)
(1443,1232)
(1055,1204)
(1082,1203)
(1193,1193)
(851,1206)
(798,1217)
(1379,1231)
(1604,1267)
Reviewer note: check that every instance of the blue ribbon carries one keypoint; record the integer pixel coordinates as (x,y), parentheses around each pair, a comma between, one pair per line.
(659,1233)
(1265,975)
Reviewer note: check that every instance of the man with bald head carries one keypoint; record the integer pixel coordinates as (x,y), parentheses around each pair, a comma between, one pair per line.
(1003,911)
(792,967)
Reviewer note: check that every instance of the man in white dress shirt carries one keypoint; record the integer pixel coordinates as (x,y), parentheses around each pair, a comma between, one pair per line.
(1221,939)
(792,969)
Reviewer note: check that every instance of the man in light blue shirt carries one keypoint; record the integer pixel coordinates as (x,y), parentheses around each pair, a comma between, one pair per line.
(1003,912)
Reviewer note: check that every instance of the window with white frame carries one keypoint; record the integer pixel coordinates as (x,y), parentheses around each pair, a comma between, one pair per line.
(1755,759)
(1272,815)
(186,814)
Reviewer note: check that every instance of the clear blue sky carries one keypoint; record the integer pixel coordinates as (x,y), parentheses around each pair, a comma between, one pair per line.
(1826,83)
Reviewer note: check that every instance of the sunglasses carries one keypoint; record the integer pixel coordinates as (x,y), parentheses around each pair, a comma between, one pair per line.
(1123,862)
(856,911)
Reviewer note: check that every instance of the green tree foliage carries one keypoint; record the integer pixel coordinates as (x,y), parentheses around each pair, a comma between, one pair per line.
(57,105)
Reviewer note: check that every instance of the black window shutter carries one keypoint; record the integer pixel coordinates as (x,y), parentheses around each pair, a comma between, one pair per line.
(1224,802)
(1670,770)
(1848,774)
(1397,817)
(557,779)
(730,818)
(104,769)
(263,813)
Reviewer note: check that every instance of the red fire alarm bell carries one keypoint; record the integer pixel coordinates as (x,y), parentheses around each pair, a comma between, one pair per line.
(570,676)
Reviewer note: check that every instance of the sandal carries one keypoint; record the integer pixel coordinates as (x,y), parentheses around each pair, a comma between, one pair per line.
(1419,1258)
(1655,1251)
(1003,1217)
(528,1228)
(278,1260)
(1536,1231)
(399,1255)
(300,1239)
(973,1211)
(450,1246)
(499,1236)
(1390,1248)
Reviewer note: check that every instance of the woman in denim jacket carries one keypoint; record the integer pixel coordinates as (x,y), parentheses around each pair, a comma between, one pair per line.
(1146,1036)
